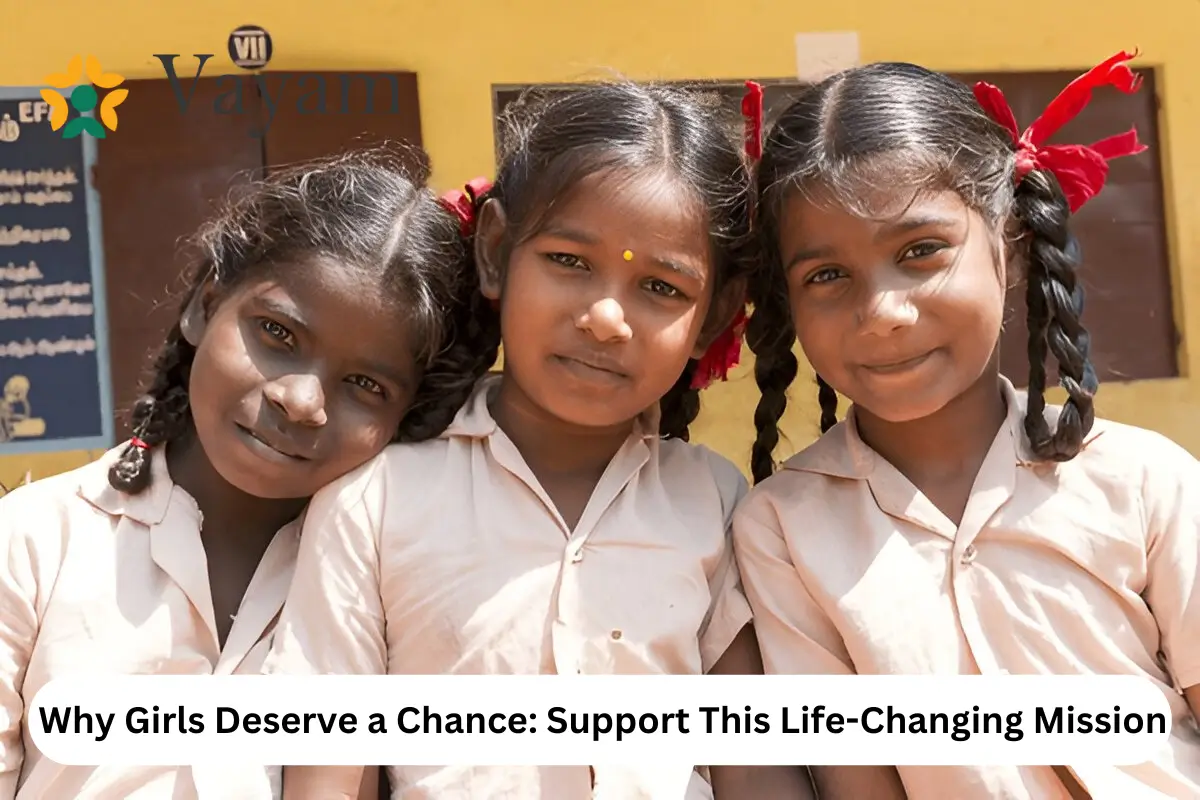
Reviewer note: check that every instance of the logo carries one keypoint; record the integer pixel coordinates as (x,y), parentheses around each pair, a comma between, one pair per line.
(308,93)
(84,98)
(250,47)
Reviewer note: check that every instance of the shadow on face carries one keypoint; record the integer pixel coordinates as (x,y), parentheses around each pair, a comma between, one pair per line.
(300,376)
(902,313)
(604,304)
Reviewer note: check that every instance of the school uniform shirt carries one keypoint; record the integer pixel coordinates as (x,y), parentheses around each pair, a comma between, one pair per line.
(98,581)
(448,557)
(1084,567)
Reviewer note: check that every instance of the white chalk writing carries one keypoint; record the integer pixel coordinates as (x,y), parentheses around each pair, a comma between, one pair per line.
(46,291)
(20,235)
(21,274)
(63,308)
(45,347)
(51,178)
(44,197)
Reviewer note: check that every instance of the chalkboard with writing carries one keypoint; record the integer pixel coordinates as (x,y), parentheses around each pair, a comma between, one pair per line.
(53,359)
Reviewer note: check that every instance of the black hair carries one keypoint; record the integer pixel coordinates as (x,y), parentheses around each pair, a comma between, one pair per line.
(885,125)
(553,139)
(364,210)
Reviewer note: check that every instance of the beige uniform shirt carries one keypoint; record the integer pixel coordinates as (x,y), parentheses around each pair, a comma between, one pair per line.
(97,581)
(448,557)
(1055,569)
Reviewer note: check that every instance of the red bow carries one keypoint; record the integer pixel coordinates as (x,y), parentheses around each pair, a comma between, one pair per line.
(1080,169)
(462,204)
(722,355)
(752,111)
(726,351)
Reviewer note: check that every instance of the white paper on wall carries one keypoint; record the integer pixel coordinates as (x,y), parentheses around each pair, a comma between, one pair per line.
(819,55)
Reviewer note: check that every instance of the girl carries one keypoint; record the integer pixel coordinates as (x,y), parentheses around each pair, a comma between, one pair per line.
(951,524)
(330,313)
(562,524)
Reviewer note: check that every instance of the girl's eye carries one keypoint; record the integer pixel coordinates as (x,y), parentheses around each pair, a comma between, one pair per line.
(567,260)
(363,382)
(923,250)
(824,275)
(663,288)
(277,331)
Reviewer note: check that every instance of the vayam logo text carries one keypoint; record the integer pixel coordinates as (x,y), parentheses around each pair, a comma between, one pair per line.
(327,93)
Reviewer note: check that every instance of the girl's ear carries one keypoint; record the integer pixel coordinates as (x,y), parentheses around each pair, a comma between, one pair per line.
(725,308)
(490,232)
(194,321)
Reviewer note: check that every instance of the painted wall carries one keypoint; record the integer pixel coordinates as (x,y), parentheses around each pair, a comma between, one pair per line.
(461,49)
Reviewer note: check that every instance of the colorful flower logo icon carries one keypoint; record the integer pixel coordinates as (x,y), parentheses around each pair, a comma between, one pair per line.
(84,98)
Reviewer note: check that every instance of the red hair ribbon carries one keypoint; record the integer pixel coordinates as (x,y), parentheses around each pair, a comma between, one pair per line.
(752,112)
(723,354)
(726,351)
(463,204)
(1081,170)
(139,444)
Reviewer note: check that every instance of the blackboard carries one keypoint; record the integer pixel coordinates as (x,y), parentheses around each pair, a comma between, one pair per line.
(54,371)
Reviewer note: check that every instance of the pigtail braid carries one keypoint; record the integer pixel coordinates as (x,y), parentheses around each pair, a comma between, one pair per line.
(473,344)
(1055,297)
(770,336)
(680,406)
(828,400)
(159,415)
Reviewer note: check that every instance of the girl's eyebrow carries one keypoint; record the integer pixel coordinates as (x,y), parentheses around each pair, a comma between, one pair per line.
(570,234)
(678,268)
(915,222)
(286,310)
(810,254)
(390,374)
(902,225)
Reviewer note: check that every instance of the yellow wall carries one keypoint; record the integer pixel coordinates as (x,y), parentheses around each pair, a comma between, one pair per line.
(459,49)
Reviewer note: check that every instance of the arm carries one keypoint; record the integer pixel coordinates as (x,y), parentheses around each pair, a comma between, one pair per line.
(18,630)
(333,620)
(796,637)
(755,783)
(1173,564)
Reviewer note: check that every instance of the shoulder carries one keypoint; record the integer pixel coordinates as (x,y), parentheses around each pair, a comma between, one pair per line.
(416,472)
(831,464)
(1130,457)
(40,517)
(696,467)
(50,497)
(1114,451)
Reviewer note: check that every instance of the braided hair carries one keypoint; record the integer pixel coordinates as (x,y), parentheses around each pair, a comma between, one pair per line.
(365,210)
(886,125)
(552,140)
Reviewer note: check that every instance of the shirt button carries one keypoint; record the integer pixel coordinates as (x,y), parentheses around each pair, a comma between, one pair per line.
(968,555)
(616,635)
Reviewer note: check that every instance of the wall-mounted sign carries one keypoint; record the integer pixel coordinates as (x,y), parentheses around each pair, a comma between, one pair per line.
(250,47)
(54,385)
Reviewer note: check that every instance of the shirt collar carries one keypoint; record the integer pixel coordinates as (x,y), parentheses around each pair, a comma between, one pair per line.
(474,420)
(841,452)
(148,507)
